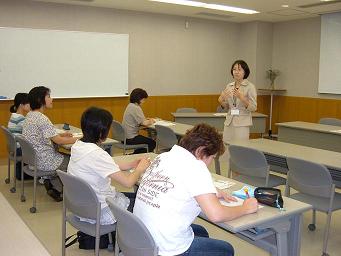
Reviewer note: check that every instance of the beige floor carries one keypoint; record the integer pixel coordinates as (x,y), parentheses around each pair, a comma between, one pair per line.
(46,225)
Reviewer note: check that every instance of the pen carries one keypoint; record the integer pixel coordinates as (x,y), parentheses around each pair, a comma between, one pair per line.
(247,192)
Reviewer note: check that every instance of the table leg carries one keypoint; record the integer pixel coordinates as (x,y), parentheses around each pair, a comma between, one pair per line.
(282,230)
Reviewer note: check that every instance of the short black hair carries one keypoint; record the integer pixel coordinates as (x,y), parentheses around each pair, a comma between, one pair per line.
(36,96)
(137,95)
(243,65)
(95,124)
(20,98)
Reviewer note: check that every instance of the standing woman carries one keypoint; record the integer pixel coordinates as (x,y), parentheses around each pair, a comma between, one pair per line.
(134,118)
(240,98)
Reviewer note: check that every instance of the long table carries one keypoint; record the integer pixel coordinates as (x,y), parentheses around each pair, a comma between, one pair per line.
(217,120)
(276,153)
(311,134)
(282,236)
(107,143)
(15,237)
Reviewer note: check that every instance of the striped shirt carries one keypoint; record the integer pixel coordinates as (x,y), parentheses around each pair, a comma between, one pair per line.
(15,123)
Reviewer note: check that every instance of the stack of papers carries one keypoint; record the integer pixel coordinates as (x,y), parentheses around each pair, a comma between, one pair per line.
(163,123)
(59,131)
(237,203)
(223,184)
(77,134)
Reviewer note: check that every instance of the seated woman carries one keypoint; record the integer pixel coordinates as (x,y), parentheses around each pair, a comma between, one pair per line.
(18,111)
(133,118)
(177,187)
(94,165)
(40,132)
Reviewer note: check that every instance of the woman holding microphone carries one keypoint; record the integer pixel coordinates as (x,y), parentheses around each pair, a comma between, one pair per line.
(240,98)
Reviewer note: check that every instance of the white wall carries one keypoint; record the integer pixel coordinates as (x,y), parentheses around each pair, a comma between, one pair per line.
(165,57)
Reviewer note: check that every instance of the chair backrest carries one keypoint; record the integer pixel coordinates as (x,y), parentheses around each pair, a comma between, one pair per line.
(330,121)
(132,235)
(118,132)
(248,161)
(165,136)
(10,140)
(309,178)
(186,110)
(29,155)
(220,109)
(79,197)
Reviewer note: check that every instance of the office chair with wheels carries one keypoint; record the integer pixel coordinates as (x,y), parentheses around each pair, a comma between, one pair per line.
(132,236)
(80,200)
(315,186)
(252,167)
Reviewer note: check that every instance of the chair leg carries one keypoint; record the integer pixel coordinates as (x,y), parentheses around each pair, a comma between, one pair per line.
(326,233)
(14,188)
(63,228)
(8,180)
(312,226)
(33,209)
(22,197)
(117,249)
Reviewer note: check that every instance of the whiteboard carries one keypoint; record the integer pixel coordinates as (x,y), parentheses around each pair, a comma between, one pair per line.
(330,54)
(71,63)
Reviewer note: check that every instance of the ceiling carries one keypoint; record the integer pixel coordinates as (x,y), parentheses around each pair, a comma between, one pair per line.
(270,10)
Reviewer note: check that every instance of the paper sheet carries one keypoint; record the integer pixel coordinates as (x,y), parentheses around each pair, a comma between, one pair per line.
(223,184)
(220,114)
(163,123)
(338,131)
(238,203)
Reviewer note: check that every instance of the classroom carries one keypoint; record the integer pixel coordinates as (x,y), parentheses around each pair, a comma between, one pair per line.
(182,56)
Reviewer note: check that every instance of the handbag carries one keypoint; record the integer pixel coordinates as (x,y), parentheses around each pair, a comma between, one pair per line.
(87,242)
(269,196)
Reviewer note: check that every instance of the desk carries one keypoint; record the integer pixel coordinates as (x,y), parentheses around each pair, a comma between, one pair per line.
(15,237)
(217,120)
(310,134)
(107,143)
(285,235)
(276,153)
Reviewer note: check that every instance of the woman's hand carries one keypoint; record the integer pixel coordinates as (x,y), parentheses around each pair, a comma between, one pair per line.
(250,205)
(66,134)
(223,195)
(142,165)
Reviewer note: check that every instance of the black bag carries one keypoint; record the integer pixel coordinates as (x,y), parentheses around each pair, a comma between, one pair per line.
(87,242)
(269,196)
(18,173)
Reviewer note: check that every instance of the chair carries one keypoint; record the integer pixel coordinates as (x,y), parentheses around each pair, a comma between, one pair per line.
(29,166)
(252,167)
(12,155)
(80,200)
(315,186)
(119,134)
(330,121)
(165,138)
(186,110)
(132,236)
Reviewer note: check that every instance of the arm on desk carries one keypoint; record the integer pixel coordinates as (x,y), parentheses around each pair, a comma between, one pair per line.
(129,179)
(148,121)
(216,212)
(63,140)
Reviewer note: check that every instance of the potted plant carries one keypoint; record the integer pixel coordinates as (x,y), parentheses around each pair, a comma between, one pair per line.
(272,74)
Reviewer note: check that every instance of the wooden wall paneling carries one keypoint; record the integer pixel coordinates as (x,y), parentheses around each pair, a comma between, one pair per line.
(4,117)
(328,108)
(307,109)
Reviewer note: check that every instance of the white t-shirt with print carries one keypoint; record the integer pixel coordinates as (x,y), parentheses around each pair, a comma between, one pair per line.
(94,165)
(165,200)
